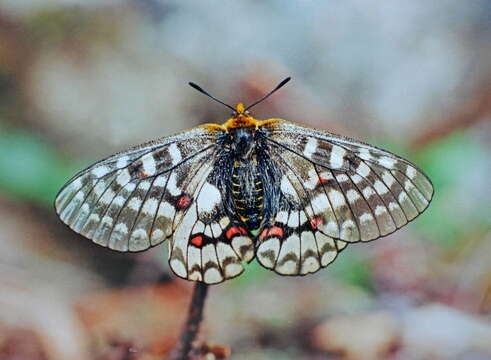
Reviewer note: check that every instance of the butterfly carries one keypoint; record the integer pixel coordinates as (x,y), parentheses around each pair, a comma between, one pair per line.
(291,196)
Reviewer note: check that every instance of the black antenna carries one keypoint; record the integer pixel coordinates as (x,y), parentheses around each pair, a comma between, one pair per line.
(270,93)
(193,85)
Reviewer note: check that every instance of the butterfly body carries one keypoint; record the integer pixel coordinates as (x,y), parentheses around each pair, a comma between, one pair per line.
(248,193)
(243,156)
(291,196)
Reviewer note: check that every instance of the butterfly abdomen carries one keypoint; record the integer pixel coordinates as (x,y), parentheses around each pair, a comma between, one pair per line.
(248,194)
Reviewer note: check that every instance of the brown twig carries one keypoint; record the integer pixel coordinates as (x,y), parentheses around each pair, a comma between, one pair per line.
(184,346)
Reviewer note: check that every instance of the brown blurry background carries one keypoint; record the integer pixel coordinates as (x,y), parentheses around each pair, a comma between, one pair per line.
(80,80)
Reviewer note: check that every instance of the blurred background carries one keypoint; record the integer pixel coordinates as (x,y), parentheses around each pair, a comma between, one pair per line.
(80,80)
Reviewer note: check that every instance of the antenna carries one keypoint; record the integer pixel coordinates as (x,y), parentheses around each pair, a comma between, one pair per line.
(193,85)
(270,93)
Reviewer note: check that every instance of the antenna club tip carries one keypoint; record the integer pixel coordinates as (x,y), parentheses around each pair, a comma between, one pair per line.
(285,80)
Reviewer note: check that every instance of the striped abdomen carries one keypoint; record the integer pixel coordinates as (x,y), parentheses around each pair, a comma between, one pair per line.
(248,194)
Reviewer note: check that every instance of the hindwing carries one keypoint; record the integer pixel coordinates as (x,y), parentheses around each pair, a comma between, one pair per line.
(209,245)
(298,240)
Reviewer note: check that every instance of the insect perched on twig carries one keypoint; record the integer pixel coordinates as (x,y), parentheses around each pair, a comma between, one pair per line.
(290,195)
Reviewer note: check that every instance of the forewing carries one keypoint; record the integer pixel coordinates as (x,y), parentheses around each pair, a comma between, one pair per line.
(208,246)
(367,192)
(135,199)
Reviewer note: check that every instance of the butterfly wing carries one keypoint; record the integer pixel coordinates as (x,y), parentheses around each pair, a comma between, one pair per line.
(208,245)
(136,199)
(297,240)
(361,192)
(161,190)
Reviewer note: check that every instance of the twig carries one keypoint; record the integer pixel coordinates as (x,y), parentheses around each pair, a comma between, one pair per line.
(191,328)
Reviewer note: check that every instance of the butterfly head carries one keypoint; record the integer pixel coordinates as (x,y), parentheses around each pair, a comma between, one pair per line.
(241,117)
(240,110)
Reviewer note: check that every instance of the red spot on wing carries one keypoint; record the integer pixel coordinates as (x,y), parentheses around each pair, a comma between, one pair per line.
(315,222)
(322,181)
(183,202)
(232,232)
(197,241)
(235,230)
(143,175)
(276,231)
(272,231)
